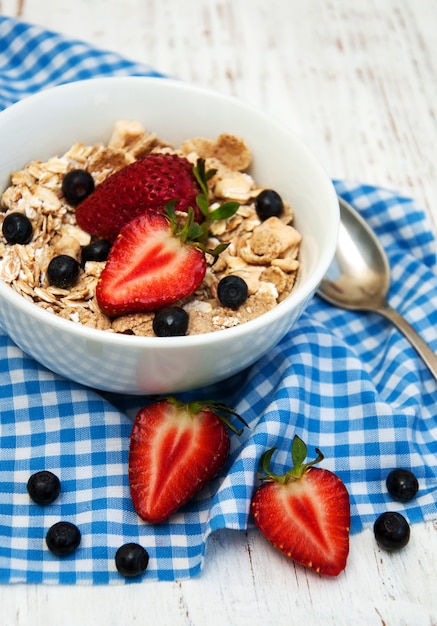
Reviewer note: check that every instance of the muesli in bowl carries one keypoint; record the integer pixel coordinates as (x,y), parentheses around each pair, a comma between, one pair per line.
(85,113)
(59,224)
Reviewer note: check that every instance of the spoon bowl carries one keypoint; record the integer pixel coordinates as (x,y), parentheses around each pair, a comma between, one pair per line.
(359,275)
(359,278)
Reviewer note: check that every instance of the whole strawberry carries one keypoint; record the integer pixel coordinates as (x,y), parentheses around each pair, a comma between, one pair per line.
(175,449)
(304,513)
(144,185)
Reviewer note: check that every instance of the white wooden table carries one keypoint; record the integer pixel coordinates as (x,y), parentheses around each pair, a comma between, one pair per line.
(357,80)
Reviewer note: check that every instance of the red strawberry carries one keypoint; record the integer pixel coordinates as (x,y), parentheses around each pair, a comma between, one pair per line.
(175,449)
(150,265)
(305,513)
(144,185)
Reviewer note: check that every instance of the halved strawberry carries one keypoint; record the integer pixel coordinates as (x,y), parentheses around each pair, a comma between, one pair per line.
(304,513)
(175,449)
(150,265)
(144,185)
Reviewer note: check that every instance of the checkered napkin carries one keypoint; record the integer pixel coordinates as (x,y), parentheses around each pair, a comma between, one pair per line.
(348,383)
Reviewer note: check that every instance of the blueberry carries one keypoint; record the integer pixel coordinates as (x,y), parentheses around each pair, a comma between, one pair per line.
(232,291)
(268,204)
(392,531)
(131,559)
(63,538)
(402,485)
(95,251)
(17,228)
(170,322)
(63,271)
(43,487)
(77,185)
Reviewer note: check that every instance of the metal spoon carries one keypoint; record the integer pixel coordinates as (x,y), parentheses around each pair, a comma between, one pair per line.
(359,278)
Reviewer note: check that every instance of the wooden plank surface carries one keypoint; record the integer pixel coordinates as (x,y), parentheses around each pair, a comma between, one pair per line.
(357,81)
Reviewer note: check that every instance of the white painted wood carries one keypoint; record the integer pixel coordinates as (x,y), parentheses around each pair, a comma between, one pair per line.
(358,82)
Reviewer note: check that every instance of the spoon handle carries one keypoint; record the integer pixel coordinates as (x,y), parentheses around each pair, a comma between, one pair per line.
(422,348)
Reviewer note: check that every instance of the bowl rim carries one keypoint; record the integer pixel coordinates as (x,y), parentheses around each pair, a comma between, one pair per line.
(293,301)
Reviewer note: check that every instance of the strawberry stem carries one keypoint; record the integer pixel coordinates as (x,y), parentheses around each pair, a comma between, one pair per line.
(222,411)
(225,210)
(197,234)
(191,232)
(202,176)
(298,454)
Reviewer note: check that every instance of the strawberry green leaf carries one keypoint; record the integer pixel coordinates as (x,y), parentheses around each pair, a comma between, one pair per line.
(265,461)
(298,451)
(202,176)
(228,209)
(210,173)
(184,233)
(196,232)
(203,204)
(214,252)
(218,249)
(170,212)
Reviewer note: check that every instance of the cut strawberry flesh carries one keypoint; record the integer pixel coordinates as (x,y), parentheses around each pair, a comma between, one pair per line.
(148,268)
(307,519)
(173,453)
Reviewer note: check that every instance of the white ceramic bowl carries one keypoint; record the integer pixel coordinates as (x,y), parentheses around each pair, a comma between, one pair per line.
(49,122)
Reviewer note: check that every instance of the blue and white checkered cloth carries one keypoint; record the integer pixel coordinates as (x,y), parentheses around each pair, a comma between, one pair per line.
(348,383)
